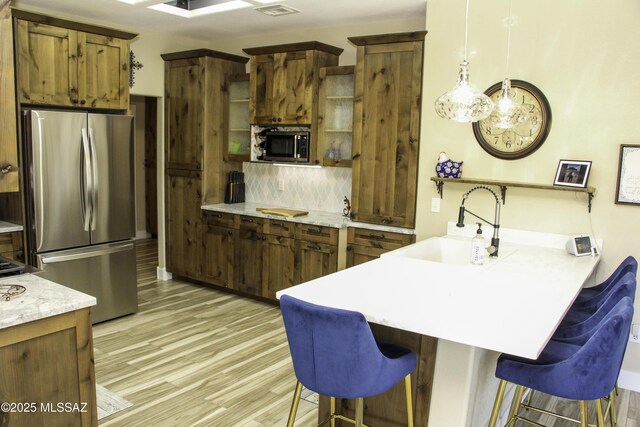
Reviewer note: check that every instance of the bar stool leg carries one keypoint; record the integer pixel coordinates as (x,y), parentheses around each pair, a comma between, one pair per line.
(407,392)
(359,411)
(612,409)
(498,403)
(584,414)
(600,413)
(517,401)
(332,401)
(294,404)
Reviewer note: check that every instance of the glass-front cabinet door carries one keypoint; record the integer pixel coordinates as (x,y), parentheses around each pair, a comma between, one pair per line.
(335,115)
(239,130)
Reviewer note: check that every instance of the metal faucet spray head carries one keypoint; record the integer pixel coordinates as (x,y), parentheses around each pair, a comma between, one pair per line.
(460,223)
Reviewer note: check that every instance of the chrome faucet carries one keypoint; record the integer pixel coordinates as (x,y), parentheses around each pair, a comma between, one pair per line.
(495,240)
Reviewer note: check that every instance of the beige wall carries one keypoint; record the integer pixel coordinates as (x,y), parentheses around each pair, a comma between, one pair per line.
(585,59)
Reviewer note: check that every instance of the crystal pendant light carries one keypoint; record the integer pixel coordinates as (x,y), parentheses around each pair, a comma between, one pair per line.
(464,103)
(506,113)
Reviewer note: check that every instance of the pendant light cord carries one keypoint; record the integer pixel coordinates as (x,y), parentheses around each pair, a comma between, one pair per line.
(466,29)
(509,23)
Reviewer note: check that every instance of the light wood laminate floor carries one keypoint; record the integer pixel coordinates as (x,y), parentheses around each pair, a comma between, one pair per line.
(196,356)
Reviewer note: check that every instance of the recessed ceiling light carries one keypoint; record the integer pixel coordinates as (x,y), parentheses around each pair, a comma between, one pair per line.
(206,10)
(276,10)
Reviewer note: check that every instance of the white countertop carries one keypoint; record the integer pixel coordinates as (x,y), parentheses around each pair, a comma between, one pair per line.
(7,227)
(327,219)
(513,305)
(41,299)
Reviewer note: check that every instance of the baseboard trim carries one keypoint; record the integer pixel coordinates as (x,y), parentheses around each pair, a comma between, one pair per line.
(163,274)
(142,234)
(629,380)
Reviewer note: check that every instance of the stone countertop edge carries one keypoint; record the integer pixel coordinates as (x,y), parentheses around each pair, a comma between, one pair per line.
(41,299)
(7,227)
(323,218)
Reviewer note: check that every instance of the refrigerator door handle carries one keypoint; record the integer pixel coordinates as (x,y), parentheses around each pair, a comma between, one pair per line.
(87,182)
(80,254)
(94,186)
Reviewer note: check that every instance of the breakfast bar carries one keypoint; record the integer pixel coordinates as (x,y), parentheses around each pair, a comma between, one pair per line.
(510,304)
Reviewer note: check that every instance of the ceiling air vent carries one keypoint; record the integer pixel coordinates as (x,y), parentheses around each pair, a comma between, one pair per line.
(276,10)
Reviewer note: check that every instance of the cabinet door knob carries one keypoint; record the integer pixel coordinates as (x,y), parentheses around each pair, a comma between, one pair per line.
(277,224)
(279,119)
(247,220)
(83,101)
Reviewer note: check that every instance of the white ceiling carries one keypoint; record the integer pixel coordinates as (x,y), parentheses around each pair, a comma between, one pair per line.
(237,23)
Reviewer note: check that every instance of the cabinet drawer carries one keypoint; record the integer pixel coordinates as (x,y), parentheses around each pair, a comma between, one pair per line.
(318,233)
(220,219)
(280,228)
(379,239)
(252,223)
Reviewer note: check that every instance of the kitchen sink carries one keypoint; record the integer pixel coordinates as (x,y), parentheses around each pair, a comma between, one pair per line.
(446,250)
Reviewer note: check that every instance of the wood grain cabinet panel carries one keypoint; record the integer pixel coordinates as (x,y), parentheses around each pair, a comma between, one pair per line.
(196,98)
(365,244)
(66,67)
(49,361)
(218,249)
(248,276)
(386,129)
(278,264)
(314,260)
(8,123)
(183,217)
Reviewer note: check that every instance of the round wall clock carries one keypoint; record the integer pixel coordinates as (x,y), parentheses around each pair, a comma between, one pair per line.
(525,137)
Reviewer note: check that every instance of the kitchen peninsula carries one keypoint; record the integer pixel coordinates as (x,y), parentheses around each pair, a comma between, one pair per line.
(512,304)
(46,353)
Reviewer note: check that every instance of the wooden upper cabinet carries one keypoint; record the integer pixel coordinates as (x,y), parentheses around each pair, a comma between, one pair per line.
(60,64)
(284,82)
(197,86)
(8,122)
(386,128)
(103,71)
(184,103)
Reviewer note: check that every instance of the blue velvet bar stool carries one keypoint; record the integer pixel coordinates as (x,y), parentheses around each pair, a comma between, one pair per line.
(586,295)
(584,370)
(335,354)
(579,321)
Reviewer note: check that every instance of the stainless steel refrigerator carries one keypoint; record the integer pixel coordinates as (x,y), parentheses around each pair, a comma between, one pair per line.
(80,205)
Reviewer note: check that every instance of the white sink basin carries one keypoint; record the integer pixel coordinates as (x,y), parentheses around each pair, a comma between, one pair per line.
(446,250)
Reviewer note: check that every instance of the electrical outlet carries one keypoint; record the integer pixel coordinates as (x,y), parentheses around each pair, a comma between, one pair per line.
(634,336)
(435,204)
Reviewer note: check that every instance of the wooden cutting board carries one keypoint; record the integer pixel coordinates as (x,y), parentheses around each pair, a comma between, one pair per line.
(289,213)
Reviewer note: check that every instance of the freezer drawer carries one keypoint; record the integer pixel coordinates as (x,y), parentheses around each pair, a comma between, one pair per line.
(107,272)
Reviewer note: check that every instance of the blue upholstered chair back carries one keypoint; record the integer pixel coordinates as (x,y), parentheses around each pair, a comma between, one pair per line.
(590,373)
(334,352)
(589,295)
(580,323)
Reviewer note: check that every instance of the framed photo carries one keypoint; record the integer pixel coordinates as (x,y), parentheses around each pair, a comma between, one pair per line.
(573,173)
(628,186)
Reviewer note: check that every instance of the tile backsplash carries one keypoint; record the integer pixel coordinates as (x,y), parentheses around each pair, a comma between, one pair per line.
(318,189)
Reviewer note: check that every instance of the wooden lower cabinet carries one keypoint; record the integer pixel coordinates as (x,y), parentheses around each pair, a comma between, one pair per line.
(278,265)
(184,220)
(49,362)
(365,244)
(389,409)
(218,248)
(249,262)
(315,260)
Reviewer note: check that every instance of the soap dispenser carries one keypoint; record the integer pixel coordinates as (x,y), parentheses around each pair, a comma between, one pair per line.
(477,247)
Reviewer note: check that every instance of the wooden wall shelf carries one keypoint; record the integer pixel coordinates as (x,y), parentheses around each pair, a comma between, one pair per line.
(590,191)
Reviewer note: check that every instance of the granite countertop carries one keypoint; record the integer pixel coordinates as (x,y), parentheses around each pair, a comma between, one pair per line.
(327,219)
(7,227)
(41,299)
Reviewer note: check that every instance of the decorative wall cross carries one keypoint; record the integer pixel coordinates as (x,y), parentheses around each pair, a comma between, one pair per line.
(133,67)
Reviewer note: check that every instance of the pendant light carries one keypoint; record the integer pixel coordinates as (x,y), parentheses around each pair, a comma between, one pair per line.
(506,113)
(464,103)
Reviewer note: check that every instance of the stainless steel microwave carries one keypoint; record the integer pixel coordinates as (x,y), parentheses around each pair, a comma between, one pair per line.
(286,146)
